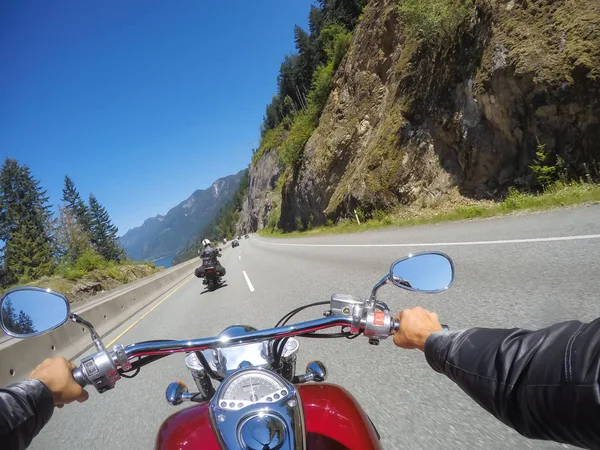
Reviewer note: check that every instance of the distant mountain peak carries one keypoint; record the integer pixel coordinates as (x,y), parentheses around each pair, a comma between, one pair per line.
(161,236)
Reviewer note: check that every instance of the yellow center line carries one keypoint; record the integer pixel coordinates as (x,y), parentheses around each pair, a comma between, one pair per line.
(146,313)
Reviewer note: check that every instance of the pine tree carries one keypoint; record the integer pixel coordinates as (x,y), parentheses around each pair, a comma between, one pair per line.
(103,233)
(72,240)
(75,204)
(25,323)
(25,225)
(9,316)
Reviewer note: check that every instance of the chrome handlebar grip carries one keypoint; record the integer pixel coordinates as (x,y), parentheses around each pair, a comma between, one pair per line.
(80,377)
(395,326)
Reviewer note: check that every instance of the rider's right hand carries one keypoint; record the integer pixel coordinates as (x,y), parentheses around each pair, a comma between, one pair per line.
(56,374)
(416,324)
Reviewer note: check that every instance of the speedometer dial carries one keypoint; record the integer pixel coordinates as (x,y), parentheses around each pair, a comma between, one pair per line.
(253,387)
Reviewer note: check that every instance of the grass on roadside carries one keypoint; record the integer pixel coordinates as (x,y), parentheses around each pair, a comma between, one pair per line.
(558,194)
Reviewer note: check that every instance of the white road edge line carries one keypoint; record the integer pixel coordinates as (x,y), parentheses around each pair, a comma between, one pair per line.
(446,244)
(248,281)
(240,257)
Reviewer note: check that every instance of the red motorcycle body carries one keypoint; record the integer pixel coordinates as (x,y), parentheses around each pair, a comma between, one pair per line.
(333,421)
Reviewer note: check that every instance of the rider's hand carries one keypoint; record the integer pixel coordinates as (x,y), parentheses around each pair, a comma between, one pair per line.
(416,324)
(55,373)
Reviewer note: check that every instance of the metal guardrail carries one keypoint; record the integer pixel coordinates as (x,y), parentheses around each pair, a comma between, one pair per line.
(106,311)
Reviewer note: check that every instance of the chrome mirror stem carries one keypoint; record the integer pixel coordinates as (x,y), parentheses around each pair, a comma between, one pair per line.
(384,280)
(95,337)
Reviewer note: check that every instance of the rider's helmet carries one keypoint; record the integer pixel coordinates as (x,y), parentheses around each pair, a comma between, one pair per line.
(205,242)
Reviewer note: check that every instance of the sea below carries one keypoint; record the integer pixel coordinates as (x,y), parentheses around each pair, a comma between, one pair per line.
(167,261)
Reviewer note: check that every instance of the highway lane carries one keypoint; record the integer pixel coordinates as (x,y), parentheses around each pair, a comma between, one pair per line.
(525,284)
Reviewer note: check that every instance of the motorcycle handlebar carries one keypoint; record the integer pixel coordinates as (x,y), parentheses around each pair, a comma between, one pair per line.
(164,348)
(79,377)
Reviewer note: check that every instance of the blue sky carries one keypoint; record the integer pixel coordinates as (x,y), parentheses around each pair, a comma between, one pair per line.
(139,102)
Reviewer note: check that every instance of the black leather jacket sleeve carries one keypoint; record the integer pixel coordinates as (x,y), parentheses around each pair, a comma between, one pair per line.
(25,407)
(543,383)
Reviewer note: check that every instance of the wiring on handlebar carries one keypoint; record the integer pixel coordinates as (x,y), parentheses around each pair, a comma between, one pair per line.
(293,312)
(135,372)
(138,364)
(279,344)
(207,367)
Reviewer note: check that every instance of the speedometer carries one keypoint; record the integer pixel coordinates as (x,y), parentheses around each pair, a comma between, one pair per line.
(249,388)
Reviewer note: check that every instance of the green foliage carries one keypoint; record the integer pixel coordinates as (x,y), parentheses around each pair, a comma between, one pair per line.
(116,274)
(547,167)
(378,215)
(70,273)
(26,226)
(302,128)
(271,139)
(335,40)
(273,219)
(71,238)
(470,211)
(90,260)
(515,199)
(435,20)
(75,205)
(321,86)
(360,214)
(326,43)
(103,233)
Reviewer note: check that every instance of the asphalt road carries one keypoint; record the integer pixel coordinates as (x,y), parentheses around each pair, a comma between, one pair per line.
(524,283)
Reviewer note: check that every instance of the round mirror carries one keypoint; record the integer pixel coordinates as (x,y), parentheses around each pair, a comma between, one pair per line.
(27,312)
(423,272)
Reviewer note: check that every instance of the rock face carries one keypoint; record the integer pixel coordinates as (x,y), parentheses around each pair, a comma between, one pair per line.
(162,236)
(410,122)
(261,199)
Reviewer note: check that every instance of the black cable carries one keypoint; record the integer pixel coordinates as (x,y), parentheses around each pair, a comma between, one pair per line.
(292,313)
(207,367)
(279,344)
(123,374)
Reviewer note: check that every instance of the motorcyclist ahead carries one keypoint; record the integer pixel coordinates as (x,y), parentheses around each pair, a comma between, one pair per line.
(209,256)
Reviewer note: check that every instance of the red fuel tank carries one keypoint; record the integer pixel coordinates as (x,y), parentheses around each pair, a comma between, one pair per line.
(333,420)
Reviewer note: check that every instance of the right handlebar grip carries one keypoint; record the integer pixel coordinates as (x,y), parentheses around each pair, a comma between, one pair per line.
(80,377)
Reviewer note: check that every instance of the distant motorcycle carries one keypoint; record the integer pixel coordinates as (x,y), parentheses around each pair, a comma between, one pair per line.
(261,403)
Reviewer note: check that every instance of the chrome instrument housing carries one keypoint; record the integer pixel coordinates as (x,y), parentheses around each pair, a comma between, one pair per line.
(226,360)
(281,421)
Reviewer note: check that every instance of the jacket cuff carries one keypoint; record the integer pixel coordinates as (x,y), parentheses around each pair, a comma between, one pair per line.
(41,396)
(436,349)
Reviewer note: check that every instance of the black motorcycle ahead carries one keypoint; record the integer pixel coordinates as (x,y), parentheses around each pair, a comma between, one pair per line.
(212,278)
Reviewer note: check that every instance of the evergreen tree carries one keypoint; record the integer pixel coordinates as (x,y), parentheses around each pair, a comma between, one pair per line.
(72,240)
(25,323)
(25,225)
(103,233)
(9,316)
(75,205)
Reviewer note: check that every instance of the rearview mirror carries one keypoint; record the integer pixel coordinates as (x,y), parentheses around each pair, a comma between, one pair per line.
(28,311)
(424,272)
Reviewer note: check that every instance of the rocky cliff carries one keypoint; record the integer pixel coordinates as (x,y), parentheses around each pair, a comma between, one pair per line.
(262,199)
(418,112)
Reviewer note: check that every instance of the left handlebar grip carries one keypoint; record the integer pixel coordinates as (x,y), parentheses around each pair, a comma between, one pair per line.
(80,377)
(395,326)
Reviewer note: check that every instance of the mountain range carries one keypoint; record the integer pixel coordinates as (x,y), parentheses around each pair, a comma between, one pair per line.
(162,236)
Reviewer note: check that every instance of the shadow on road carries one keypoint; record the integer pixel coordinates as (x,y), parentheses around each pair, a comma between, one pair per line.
(206,291)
